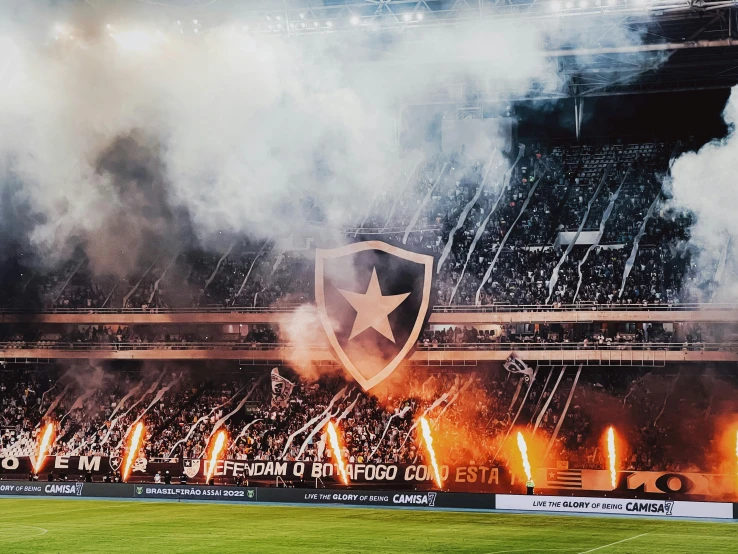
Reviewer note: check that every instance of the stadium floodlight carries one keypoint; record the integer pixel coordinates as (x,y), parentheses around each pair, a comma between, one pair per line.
(329,23)
(194,21)
(195,30)
(302,16)
(407,17)
(315,23)
(419,16)
(354,20)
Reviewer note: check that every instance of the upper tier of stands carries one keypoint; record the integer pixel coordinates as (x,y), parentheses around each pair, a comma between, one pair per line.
(501,238)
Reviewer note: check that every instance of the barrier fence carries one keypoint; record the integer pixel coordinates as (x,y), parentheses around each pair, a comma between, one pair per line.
(427,500)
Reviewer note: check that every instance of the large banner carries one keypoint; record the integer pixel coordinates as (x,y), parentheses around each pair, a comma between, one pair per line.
(459,478)
(705,485)
(72,466)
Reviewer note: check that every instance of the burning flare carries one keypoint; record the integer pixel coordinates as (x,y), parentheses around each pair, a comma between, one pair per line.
(133,447)
(336,448)
(220,440)
(524,453)
(432,453)
(43,447)
(612,456)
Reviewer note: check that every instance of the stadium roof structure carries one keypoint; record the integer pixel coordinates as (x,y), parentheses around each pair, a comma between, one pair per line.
(679,45)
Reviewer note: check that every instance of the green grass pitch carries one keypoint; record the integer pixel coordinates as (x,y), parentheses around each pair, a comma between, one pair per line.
(77,526)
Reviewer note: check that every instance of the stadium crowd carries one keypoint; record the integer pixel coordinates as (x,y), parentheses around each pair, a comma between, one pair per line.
(500,238)
(472,415)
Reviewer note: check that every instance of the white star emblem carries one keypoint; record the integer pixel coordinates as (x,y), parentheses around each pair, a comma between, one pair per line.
(372,308)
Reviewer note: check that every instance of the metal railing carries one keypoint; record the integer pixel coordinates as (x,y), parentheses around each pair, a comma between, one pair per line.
(584,306)
(489,308)
(501,346)
(153,311)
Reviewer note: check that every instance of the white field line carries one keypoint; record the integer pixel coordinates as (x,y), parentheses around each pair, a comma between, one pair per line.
(613,543)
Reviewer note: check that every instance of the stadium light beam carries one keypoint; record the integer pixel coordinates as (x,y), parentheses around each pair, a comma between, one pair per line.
(44,445)
(133,446)
(425,428)
(336,447)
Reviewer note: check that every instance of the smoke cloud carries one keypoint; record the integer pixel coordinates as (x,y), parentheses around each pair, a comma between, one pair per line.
(128,138)
(704,182)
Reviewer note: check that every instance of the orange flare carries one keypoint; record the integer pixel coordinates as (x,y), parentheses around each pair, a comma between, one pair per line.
(524,454)
(133,447)
(612,456)
(336,448)
(220,440)
(44,445)
(432,453)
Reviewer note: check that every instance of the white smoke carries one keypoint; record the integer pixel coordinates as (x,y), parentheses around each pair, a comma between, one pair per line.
(240,130)
(705,183)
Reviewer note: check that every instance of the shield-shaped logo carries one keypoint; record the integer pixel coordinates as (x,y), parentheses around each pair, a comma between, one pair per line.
(373,300)
(191,467)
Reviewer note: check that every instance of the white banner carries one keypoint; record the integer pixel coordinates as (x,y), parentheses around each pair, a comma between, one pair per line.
(281,389)
(624,506)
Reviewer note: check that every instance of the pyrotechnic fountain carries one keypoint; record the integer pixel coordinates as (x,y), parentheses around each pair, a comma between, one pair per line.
(431,452)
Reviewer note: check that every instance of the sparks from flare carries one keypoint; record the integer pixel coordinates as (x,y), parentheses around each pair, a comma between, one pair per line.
(336,448)
(524,454)
(425,428)
(44,445)
(133,447)
(612,456)
(220,440)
